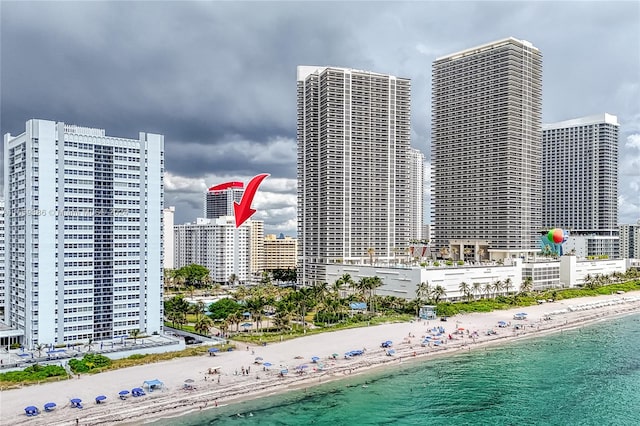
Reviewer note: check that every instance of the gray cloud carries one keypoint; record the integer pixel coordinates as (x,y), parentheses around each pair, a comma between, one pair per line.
(218,78)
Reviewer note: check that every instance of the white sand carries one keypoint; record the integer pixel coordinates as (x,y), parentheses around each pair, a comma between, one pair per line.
(174,400)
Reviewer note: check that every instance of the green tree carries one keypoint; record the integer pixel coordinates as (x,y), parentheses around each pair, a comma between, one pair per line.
(203,325)
(487,289)
(465,290)
(497,287)
(424,291)
(438,293)
(477,288)
(507,285)
(193,274)
(223,308)
(527,285)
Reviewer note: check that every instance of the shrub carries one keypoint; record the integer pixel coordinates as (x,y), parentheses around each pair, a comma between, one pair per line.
(33,373)
(89,362)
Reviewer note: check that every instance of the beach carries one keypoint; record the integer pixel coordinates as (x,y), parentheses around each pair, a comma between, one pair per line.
(468,332)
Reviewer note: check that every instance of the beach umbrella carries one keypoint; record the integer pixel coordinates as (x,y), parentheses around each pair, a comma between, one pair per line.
(31,408)
(315,358)
(123,392)
(76,401)
(137,390)
(246,324)
(267,364)
(214,350)
(189,381)
(49,406)
(259,358)
(100,398)
(302,367)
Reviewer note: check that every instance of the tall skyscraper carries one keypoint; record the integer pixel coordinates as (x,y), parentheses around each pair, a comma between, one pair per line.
(416,190)
(353,167)
(580,170)
(487,149)
(219,199)
(84,233)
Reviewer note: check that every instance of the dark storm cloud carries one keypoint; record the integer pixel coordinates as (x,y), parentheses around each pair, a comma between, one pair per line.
(218,78)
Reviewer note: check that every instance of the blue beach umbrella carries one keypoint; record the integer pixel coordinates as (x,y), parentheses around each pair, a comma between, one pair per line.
(76,401)
(100,398)
(214,350)
(49,406)
(123,392)
(267,364)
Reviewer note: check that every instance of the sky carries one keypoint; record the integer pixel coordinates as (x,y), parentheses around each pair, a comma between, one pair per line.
(218,79)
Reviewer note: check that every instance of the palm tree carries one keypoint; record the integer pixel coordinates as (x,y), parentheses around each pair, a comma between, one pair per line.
(487,289)
(374,282)
(179,280)
(134,333)
(465,290)
(345,281)
(235,319)
(200,307)
(203,325)
(527,285)
(477,288)
(371,251)
(39,347)
(444,252)
(507,285)
(281,320)
(467,253)
(169,275)
(207,281)
(423,290)
(439,292)
(233,279)
(497,286)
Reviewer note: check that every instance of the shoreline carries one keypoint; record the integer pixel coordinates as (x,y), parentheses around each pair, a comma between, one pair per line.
(232,389)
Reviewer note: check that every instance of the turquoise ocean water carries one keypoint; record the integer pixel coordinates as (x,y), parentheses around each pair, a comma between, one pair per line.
(587,376)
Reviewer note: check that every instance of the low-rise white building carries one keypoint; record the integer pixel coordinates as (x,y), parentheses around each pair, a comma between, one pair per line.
(403,282)
(573,270)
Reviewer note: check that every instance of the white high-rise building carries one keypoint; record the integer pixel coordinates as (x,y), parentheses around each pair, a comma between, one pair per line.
(3,298)
(416,189)
(353,167)
(256,250)
(167,236)
(219,199)
(84,233)
(580,169)
(487,150)
(217,245)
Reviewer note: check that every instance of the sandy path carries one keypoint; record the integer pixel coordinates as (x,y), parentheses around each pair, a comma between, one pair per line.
(174,400)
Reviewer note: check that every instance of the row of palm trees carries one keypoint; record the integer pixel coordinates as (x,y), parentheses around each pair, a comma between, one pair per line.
(433,294)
